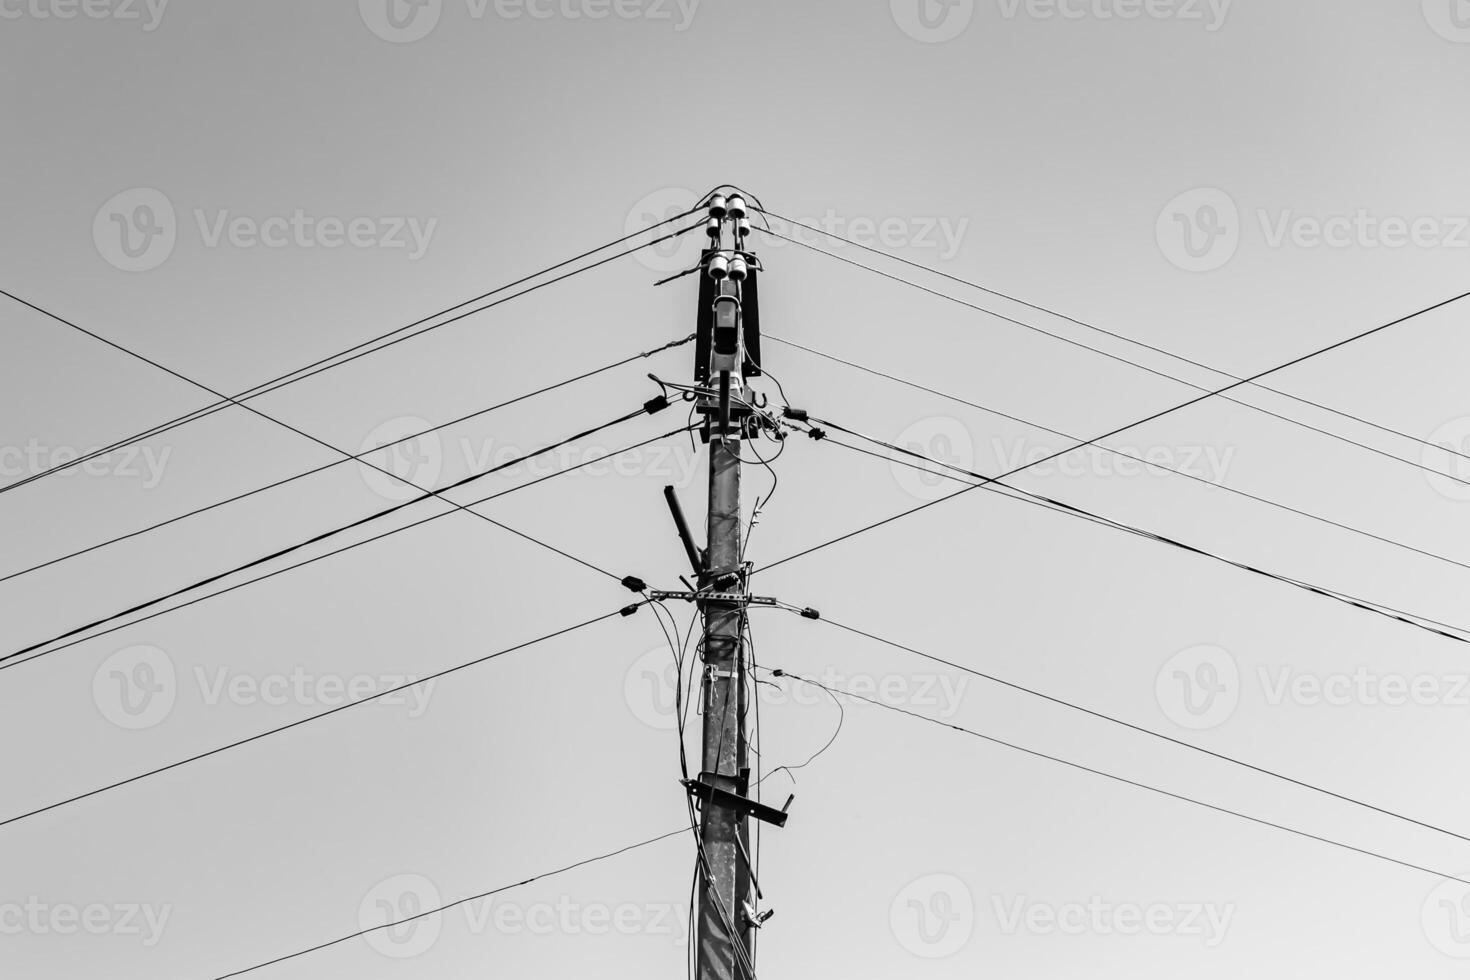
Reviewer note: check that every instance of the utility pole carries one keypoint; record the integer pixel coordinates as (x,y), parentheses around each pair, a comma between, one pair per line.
(727,354)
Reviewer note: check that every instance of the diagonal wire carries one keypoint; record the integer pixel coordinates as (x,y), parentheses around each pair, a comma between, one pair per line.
(1112,333)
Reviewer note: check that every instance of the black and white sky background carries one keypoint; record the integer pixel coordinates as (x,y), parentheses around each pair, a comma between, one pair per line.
(1238,182)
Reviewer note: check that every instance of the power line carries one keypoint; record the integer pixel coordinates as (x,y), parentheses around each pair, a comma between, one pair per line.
(1111,333)
(647,409)
(319,469)
(1142,367)
(1152,465)
(1120,430)
(330,362)
(991,483)
(463,901)
(307,720)
(1138,728)
(338,551)
(1035,753)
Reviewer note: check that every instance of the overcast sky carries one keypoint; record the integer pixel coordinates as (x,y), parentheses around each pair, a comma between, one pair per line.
(236,190)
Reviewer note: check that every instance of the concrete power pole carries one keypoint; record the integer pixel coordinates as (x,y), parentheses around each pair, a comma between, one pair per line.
(726,355)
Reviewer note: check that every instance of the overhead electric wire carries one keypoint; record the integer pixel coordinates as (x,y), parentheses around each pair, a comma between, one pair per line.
(1103,716)
(1108,333)
(1119,430)
(991,483)
(346,456)
(305,721)
(1142,367)
(330,362)
(314,540)
(463,901)
(1152,465)
(358,457)
(1035,753)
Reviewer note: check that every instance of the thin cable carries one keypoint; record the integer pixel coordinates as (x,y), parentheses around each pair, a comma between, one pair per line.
(1124,428)
(1110,333)
(990,483)
(303,721)
(303,544)
(340,462)
(1138,728)
(1135,364)
(330,362)
(463,901)
(1152,465)
(1121,779)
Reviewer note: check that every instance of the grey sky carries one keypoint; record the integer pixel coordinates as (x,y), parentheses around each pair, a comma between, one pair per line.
(331,175)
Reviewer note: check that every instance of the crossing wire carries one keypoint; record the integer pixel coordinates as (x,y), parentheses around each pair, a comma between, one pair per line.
(315,539)
(1141,729)
(1035,753)
(1142,367)
(358,457)
(1449,450)
(994,484)
(1149,463)
(355,352)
